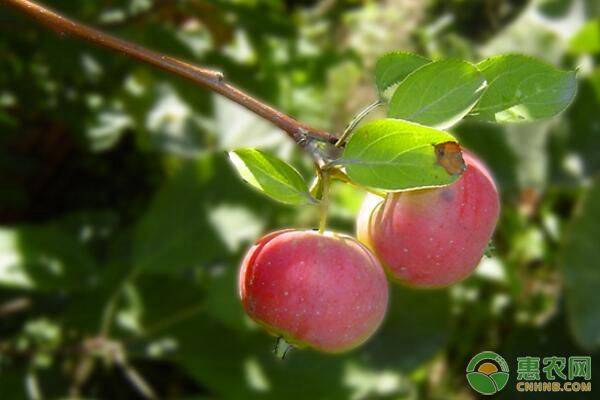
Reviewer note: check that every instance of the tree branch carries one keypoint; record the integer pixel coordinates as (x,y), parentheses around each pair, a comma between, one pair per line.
(209,79)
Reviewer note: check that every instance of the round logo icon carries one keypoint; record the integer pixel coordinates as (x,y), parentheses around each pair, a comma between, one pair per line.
(487,373)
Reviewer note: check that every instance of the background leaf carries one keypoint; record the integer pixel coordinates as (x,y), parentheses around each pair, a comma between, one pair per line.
(392,68)
(271,176)
(438,94)
(44,258)
(392,155)
(407,339)
(587,40)
(490,142)
(522,88)
(584,124)
(582,277)
(175,231)
(184,226)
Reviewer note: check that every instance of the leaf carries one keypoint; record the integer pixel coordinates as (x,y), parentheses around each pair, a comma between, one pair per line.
(236,127)
(415,329)
(490,143)
(271,176)
(528,142)
(555,8)
(522,88)
(394,155)
(584,124)
(43,258)
(186,297)
(11,385)
(200,215)
(392,68)
(174,232)
(438,94)
(582,276)
(587,40)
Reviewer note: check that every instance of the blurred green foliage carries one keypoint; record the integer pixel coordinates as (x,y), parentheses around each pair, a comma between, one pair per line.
(123,223)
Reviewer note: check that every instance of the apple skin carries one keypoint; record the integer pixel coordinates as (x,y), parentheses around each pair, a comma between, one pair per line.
(433,237)
(325,291)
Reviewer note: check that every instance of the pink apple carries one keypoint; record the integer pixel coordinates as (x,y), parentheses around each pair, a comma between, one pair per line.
(433,237)
(325,291)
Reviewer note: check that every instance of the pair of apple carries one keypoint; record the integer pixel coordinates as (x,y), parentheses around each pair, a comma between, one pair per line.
(329,291)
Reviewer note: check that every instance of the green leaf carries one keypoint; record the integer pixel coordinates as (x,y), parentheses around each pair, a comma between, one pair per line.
(43,258)
(200,215)
(271,176)
(491,143)
(582,276)
(392,68)
(584,124)
(175,232)
(555,8)
(11,385)
(587,40)
(407,338)
(523,88)
(438,94)
(224,356)
(393,155)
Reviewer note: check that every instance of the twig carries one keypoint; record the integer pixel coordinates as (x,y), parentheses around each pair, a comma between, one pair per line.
(174,319)
(324,204)
(32,385)
(81,373)
(14,306)
(209,79)
(138,382)
(109,310)
(135,378)
(339,175)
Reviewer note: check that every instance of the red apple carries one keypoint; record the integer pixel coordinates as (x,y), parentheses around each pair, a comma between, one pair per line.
(326,291)
(433,237)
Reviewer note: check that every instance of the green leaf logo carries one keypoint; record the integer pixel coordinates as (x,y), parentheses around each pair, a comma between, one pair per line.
(487,373)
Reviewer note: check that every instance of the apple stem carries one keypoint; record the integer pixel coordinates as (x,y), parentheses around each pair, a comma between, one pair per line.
(324,204)
(281,348)
(339,175)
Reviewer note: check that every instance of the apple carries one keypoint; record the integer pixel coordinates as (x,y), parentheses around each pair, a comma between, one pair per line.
(433,237)
(324,291)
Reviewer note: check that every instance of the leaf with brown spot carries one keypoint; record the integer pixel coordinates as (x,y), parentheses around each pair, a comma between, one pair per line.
(394,155)
(449,156)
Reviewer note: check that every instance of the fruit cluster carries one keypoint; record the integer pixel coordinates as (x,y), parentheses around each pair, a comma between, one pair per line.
(329,291)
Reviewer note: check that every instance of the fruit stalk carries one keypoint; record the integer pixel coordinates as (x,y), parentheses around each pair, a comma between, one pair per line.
(324,203)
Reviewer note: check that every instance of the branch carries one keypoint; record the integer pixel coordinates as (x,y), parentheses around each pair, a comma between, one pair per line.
(14,306)
(32,385)
(209,79)
(135,378)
